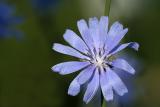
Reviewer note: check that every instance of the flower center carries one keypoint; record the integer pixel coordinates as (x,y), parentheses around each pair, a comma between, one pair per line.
(98,61)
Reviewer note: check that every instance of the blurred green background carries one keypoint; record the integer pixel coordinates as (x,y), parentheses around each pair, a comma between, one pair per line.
(26,79)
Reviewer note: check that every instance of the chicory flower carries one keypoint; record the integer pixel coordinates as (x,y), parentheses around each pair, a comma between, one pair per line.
(96,49)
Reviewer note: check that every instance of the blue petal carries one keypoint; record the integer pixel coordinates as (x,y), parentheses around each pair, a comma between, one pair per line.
(106,86)
(69,67)
(115,35)
(92,88)
(82,26)
(114,30)
(83,29)
(118,38)
(74,87)
(86,74)
(103,27)
(133,45)
(94,31)
(116,83)
(75,41)
(68,51)
(89,39)
(122,64)
(93,22)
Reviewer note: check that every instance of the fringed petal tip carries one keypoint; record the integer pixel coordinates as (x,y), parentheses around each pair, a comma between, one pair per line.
(135,46)
(85,101)
(81,21)
(54,69)
(104,17)
(124,92)
(74,88)
(54,46)
(82,25)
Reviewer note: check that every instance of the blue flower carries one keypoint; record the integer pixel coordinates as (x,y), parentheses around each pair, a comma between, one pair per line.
(8,21)
(96,49)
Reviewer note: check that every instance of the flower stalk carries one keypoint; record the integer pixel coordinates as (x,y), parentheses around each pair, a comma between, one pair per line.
(107,7)
(102,99)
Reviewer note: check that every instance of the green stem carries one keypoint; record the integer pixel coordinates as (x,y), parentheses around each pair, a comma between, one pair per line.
(102,99)
(107,7)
